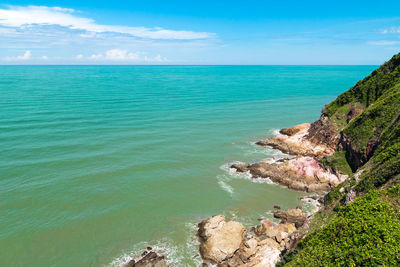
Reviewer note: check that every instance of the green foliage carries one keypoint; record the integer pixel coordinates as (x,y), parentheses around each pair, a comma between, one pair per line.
(365,233)
(385,164)
(367,91)
(368,126)
(337,162)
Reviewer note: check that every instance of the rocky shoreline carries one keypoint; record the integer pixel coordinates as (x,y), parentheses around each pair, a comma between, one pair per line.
(304,172)
(228,243)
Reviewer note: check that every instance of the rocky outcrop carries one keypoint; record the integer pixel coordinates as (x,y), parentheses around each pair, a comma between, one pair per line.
(220,239)
(295,129)
(149,258)
(323,132)
(301,141)
(301,173)
(295,216)
(260,247)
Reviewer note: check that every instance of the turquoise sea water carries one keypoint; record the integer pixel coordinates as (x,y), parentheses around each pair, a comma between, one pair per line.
(98,162)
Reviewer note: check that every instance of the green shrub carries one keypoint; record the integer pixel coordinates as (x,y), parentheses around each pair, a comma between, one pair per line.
(365,233)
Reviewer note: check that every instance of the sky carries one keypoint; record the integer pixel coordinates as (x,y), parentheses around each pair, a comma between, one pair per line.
(203,32)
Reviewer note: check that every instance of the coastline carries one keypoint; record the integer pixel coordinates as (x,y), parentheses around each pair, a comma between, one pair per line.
(229,243)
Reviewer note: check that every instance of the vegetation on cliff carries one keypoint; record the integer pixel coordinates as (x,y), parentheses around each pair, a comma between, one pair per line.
(361,219)
(364,233)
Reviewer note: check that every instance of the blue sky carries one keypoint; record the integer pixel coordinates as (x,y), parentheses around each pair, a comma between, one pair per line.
(199,32)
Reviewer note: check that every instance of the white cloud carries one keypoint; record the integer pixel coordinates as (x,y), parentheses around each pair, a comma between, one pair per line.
(391,30)
(155,59)
(45,57)
(96,56)
(119,54)
(26,56)
(31,16)
(125,56)
(383,42)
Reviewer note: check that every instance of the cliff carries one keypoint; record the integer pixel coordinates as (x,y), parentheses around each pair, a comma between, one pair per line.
(360,222)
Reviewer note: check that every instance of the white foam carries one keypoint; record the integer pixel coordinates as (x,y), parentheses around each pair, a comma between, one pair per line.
(242,175)
(175,255)
(226,187)
(275,132)
(314,205)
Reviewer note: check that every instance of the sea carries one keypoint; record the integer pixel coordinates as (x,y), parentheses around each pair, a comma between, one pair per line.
(99,162)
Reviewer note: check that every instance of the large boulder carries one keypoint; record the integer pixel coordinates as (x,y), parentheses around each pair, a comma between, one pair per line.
(220,239)
(295,216)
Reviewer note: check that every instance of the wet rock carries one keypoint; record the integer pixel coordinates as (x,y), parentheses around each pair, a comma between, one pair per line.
(299,141)
(301,173)
(277,207)
(240,167)
(219,240)
(295,216)
(150,259)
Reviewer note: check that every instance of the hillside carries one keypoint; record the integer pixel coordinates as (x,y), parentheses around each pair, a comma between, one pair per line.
(360,222)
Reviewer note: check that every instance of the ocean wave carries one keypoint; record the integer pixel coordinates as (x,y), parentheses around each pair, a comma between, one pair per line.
(226,187)
(275,132)
(176,255)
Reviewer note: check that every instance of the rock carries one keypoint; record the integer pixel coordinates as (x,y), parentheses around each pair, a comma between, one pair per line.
(293,130)
(248,249)
(295,216)
(350,197)
(266,256)
(321,187)
(269,242)
(260,230)
(240,167)
(277,207)
(150,259)
(219,240)
(302,173)
(262,143)
(303,139)
(234,261)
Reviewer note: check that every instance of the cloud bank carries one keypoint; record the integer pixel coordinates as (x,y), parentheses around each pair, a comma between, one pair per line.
(121,55)
(31,16)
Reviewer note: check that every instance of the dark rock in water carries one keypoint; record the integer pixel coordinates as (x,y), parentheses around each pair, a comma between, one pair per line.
(262,143)
(240,167)
(130,263)
(149,259)
(295,216)
(149,248)
(282,160)
(277,207)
